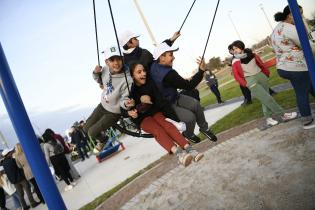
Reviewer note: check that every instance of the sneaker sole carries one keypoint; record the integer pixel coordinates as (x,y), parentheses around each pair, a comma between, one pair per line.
(306,127)
(198,157)
(187,160)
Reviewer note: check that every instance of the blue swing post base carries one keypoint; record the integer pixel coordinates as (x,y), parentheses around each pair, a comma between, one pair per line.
(109,151)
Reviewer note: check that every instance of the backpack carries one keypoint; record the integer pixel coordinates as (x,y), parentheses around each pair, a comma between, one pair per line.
(58,148)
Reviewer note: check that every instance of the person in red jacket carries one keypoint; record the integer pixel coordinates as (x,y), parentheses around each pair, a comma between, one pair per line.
(249,71)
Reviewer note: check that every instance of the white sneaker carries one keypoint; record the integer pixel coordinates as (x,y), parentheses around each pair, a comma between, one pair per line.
(184,158)
(288,116)
(68,187)
(309,125)
(195,154)
(271,122)
(73,184)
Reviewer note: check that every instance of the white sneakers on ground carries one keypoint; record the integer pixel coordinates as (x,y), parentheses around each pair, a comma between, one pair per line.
(288,116)
(284,118)
(184,158)
(271,122)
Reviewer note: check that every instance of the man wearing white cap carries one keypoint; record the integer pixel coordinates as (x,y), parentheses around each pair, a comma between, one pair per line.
(168,81)
(133,53)
(114,95)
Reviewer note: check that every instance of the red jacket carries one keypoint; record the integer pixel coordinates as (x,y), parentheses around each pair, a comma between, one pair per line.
(238,71)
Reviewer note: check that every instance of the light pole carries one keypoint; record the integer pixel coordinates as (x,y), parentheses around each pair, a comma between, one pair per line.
(266,16)
(238,34)
(3,140)
(145,22)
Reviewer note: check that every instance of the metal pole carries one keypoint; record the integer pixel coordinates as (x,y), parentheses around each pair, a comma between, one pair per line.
(266,16)
(238,34)
(299,24)
(26,135)
(145,22)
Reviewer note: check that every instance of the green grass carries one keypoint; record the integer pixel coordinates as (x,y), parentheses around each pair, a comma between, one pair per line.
(232,89)
(242,115)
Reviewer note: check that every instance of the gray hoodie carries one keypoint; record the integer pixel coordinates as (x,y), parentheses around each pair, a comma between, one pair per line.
(115,92)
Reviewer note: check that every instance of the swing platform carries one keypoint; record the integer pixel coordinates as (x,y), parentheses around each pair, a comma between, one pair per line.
(110,149)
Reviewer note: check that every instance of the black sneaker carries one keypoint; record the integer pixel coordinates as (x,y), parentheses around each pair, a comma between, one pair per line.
(194,139)
(209,135)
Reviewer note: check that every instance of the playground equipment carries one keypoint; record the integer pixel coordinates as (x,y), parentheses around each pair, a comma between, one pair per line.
(111,147)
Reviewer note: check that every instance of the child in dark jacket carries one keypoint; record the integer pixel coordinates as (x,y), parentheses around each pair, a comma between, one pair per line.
(150,112)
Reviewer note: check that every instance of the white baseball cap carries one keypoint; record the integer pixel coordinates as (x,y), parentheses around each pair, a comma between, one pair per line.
(126,36)
(111,51)
(6,151)
(162,48)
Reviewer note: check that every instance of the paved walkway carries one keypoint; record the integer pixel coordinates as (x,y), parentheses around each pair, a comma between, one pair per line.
(272,169)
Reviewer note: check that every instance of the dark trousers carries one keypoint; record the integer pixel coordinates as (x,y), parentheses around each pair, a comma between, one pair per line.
(215,90)
(246,93)
(302,86)
(82,150)
(2,198)
(36,189)
(20,187)
(100,120)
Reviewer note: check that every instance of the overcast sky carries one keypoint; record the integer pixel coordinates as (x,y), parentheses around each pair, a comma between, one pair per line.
(50,45)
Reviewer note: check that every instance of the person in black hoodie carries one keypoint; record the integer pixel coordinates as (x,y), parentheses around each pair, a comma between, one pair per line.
(134,53)
(152,111)
(16,177)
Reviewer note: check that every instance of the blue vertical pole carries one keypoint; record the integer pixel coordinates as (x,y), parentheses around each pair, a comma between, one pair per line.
(26,135)
(305,44)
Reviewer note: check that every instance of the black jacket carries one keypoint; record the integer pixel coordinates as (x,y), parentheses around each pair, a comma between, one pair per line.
(159,103)
(174,80)
(14,173)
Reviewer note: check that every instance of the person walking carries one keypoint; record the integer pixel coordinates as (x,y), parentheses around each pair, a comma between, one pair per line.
(212,82)
(250,71)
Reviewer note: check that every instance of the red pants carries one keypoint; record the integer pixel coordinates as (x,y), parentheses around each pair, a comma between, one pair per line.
(165,133)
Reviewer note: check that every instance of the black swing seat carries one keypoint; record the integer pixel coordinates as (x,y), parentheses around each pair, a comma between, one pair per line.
(125,125)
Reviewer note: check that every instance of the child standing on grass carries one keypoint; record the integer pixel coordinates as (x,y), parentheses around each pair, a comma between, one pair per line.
(150,112)
(249,71)
(114,95)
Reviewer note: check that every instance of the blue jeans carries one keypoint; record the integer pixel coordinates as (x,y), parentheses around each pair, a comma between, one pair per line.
(302,86)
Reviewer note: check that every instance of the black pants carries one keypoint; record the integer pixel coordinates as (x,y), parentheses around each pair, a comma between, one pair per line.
(2,198)
(246,93)
(215,90)
(36,189)
(81,148)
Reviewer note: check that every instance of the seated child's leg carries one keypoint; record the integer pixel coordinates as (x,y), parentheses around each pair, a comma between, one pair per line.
(149,125)
(107,120)
(171,130)
(94,117)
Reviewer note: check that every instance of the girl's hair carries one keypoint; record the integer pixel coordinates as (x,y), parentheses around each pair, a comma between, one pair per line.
(133,65)
(281,16)
(47,136)
(18,149)
(230,47)
(239,44)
